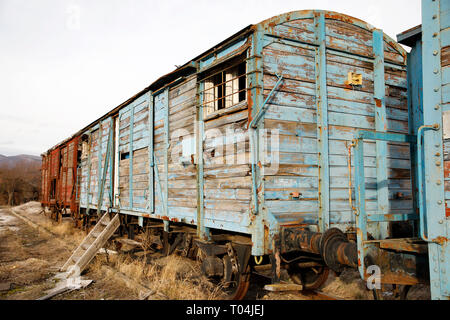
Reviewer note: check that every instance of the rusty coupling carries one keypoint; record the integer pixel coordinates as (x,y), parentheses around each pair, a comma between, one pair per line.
(332,245)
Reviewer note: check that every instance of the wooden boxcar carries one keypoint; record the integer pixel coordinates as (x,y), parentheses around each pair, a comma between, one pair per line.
(429,96)
(59,178)
(249,145)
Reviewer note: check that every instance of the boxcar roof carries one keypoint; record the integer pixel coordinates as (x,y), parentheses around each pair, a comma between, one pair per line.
(267,24)
(410,36)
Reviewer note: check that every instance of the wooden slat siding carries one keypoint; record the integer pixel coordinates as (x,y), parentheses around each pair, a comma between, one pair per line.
(292,111)
(140,154)
(352,39)
(182,108)
(223,172)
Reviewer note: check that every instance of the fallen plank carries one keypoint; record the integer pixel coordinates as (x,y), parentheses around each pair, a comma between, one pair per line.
(282,287)
(68,285)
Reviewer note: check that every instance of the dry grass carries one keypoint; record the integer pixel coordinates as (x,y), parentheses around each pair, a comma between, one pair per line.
(348,286)
(174,277)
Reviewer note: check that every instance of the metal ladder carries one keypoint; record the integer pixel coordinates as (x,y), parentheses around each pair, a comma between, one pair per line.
(86,251)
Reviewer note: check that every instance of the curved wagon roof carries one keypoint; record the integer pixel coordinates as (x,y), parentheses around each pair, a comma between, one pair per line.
(265,25)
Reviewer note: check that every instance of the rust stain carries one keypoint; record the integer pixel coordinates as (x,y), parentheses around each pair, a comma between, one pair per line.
(441,240)
(250,107)
(378,103)
(446,169)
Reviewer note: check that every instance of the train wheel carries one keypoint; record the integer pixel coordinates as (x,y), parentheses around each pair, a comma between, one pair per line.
(310,278)
(234,284)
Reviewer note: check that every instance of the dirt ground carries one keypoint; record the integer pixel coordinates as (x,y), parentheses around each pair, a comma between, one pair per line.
(30,257)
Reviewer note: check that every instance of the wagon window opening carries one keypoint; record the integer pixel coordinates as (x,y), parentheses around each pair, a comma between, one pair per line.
(224,88)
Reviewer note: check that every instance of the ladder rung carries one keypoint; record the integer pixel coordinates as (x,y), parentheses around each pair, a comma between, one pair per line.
(95,234)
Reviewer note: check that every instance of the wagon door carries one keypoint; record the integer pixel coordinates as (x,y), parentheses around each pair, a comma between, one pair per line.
(135,179)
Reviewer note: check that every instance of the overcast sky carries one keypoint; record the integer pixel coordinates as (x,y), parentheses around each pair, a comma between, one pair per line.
(65,63)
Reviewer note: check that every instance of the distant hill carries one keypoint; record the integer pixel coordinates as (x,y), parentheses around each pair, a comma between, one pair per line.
(13,160)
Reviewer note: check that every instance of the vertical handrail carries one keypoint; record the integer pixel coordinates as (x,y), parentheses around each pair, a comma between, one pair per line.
(253,140)
(419,179)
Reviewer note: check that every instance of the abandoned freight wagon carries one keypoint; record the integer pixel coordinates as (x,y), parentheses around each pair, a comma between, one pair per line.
(429,100)
(59,178)
(246,151)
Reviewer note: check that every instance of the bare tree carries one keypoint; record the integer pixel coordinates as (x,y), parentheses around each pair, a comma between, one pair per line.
(20,182)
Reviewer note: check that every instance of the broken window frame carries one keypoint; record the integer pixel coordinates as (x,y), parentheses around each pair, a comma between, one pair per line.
(224,90)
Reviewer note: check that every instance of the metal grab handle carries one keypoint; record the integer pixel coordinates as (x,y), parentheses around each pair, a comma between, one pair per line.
(419,177)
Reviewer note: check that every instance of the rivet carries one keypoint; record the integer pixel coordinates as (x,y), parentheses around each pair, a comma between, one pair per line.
(438,154)
(436,71)
(434,16)
(441,221)
(436,89)
(435,269)
(437,145)
(439,202)
(438,182)
(435,35)
(438,163)
(436,107)
(435,53)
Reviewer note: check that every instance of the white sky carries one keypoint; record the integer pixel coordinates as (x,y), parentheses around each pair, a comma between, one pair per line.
(59,73)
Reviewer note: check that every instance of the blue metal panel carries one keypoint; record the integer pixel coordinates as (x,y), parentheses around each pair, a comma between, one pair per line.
(322,123)
(415,107)
(432,39)
(380,126)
